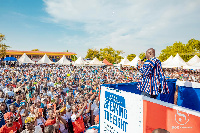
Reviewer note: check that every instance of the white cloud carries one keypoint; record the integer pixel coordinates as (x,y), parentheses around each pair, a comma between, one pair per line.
(128,25)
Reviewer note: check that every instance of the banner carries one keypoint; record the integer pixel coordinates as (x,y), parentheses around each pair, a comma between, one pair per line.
(125,112)
(117,109)
(167,116)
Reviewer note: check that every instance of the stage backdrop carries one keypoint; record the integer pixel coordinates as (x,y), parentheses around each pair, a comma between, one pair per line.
(125,112)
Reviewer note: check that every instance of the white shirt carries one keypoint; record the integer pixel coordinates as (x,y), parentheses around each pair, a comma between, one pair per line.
(41,121)
(38,129)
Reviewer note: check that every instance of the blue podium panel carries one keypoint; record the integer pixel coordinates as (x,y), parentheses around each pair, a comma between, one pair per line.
(189,97)
(132,87)
(172,88)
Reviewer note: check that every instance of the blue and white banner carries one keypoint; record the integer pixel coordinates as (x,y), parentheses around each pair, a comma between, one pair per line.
(120,111)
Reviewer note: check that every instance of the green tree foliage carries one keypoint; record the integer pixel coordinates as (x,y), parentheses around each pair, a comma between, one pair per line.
(110,54)
(35,50)
(74,57)
(142,55)
(186,51)
(92,53)
(195,44)
(3,47)
(130,57)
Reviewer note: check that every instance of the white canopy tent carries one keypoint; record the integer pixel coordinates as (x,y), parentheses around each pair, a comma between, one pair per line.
(134,61)
(79,62)
(194,60)
(124,62)
(168,60)
(25,59)
(45,60)
(96,62)
(195,66)
(63,61)
(176,62)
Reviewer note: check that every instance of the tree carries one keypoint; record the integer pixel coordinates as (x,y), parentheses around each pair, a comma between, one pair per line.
(110,54)
(73,57)
(130,57)
(195,44)
(186,51)
(142,55)
(92,53)
(35,50)
(3,47)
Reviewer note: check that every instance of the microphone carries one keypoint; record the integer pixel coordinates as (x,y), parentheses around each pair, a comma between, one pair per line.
(144,58)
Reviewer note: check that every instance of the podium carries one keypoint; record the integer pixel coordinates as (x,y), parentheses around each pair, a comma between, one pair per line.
(124,110)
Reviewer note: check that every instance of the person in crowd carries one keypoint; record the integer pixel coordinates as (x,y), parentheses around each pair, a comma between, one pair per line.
(31,127)
(11,125)
(49,129)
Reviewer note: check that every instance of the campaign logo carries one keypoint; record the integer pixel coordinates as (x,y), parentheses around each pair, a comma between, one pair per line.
(181,118)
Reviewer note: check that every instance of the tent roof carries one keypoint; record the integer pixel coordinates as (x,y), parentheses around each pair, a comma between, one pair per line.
(45,60)
(125,61)
(96,62)
(195,66)
(194,60)
(79,62)
(25,59)
(63,61)
(134,61)
(168,60)
(176,62)
(106,62)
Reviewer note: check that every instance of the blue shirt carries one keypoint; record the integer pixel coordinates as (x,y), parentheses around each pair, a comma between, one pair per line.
(2,121)
(16,104)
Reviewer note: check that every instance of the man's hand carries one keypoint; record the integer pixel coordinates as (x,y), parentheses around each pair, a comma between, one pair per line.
(140,62)
(20,108)
(85,104)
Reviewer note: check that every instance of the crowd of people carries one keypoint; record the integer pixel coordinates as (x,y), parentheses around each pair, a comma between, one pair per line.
(183,75)
(65,99)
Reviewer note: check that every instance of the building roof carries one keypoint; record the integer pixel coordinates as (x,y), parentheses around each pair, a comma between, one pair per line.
(17,52)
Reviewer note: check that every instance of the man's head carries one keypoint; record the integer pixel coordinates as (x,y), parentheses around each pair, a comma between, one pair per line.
(150,53)
(12,108)
(18,98)
(1,94)
(49,129)
(29,122)
(2,106)
(160,131)
(8,117)
(51,113)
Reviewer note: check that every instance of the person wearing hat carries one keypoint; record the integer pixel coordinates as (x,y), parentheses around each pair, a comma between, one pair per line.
(10,125)
(30,128)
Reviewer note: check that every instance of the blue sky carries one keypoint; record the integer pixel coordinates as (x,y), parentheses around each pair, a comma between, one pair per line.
(76,25)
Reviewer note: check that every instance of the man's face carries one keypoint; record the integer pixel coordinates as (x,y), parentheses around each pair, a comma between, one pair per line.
(19,98)
(9,121)
(50,113)
(1,95)
(2,106)
(29,125)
